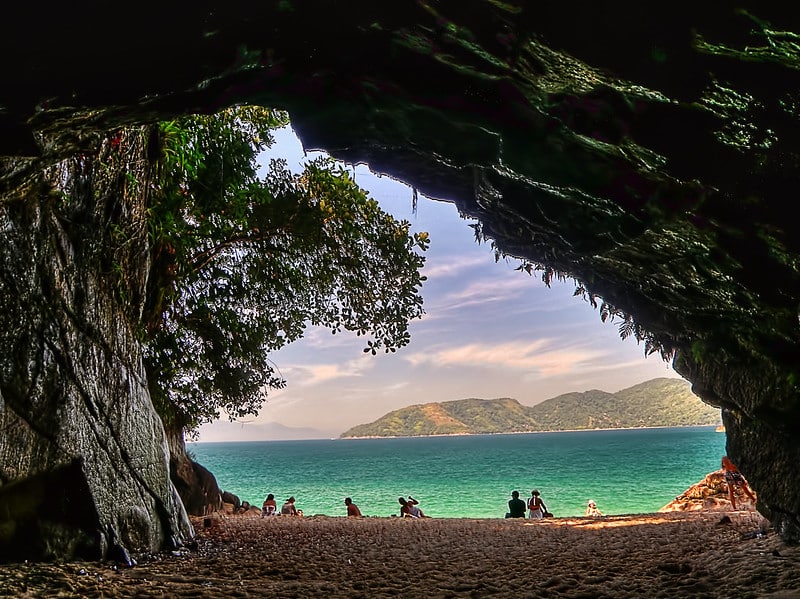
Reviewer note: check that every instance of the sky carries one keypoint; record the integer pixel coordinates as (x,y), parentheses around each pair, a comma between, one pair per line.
(488,331)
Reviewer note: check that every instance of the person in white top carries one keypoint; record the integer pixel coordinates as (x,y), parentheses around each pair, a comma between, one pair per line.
(270,507)
(413,510)
(591,509)
(536,507)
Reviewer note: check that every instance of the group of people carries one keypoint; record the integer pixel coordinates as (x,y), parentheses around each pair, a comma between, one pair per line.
(409,508)
(270,507)
(534,508)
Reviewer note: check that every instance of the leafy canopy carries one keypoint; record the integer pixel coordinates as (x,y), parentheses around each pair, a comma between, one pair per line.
(244,262)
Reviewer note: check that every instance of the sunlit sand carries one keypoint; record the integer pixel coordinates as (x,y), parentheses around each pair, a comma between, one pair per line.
(689,554)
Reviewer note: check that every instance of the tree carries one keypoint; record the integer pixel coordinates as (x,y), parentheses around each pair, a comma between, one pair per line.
(243,263)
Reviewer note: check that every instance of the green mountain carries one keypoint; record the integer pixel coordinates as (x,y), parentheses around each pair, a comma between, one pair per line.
(658,402)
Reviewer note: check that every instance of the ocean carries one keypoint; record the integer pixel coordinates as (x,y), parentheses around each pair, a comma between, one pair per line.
(625,471)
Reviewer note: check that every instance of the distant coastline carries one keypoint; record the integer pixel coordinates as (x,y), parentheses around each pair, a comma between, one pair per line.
(657,403)
(571,430)
(717,428)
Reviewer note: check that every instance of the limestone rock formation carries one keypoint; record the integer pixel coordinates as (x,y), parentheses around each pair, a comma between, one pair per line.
(195,484)
(649,151)
(229,498)
(711,493)
(83,457)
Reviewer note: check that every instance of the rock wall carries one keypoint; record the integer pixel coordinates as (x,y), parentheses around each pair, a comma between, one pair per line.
(759,411)
(196,485)
(83,457)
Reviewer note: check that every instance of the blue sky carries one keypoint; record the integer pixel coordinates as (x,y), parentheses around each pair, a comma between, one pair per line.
(489,331)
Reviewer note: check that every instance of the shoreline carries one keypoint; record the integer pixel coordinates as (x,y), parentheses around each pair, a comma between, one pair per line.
(577,430)
(322,473)
(677,554)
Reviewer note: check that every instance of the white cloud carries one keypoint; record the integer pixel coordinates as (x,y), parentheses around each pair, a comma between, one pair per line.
(306,375)
(451,267)
(392,388)
(538,356)
(480,293)
(653,363)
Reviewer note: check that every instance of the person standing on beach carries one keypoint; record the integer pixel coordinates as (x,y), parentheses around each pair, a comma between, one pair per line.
(734,479)
(516,506)
(288,508)
(536,507)
(352,508)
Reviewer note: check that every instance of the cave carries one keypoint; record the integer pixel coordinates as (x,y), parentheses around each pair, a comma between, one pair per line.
(648,151)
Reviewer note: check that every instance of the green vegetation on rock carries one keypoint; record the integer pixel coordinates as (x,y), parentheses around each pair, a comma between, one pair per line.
(658,402)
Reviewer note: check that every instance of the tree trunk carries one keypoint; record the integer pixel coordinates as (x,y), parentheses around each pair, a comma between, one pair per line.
(83,456)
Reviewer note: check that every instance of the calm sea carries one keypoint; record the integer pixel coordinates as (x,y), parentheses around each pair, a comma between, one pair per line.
(624,471)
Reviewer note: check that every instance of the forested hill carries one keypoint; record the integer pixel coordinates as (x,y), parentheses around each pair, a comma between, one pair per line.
(658,402)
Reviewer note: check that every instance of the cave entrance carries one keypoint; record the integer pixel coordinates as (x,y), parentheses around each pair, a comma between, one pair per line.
(507,334)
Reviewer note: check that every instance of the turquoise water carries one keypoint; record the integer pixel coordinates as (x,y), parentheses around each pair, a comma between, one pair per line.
(624,471)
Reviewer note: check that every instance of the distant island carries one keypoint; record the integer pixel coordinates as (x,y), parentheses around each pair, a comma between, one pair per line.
(654,403)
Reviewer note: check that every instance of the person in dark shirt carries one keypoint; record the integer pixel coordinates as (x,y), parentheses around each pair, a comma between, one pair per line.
(516,506)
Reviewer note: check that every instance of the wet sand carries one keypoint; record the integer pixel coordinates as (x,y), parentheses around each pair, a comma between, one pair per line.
(675,555)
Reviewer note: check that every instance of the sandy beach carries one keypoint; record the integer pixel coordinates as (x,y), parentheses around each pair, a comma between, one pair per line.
(676,555)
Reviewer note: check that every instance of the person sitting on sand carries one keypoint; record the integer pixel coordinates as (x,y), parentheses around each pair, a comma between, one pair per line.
(352,508)
(591,509)
(516,506)
(405,509)
(288,508)
(734,479)
(270,507)
(536,507)
(413,509)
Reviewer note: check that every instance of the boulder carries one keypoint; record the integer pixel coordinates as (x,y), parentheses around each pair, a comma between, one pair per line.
(232,500)
(710,494)
(196,485)
(197,488)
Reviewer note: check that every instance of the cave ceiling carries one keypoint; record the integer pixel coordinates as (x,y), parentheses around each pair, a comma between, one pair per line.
(649,151)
